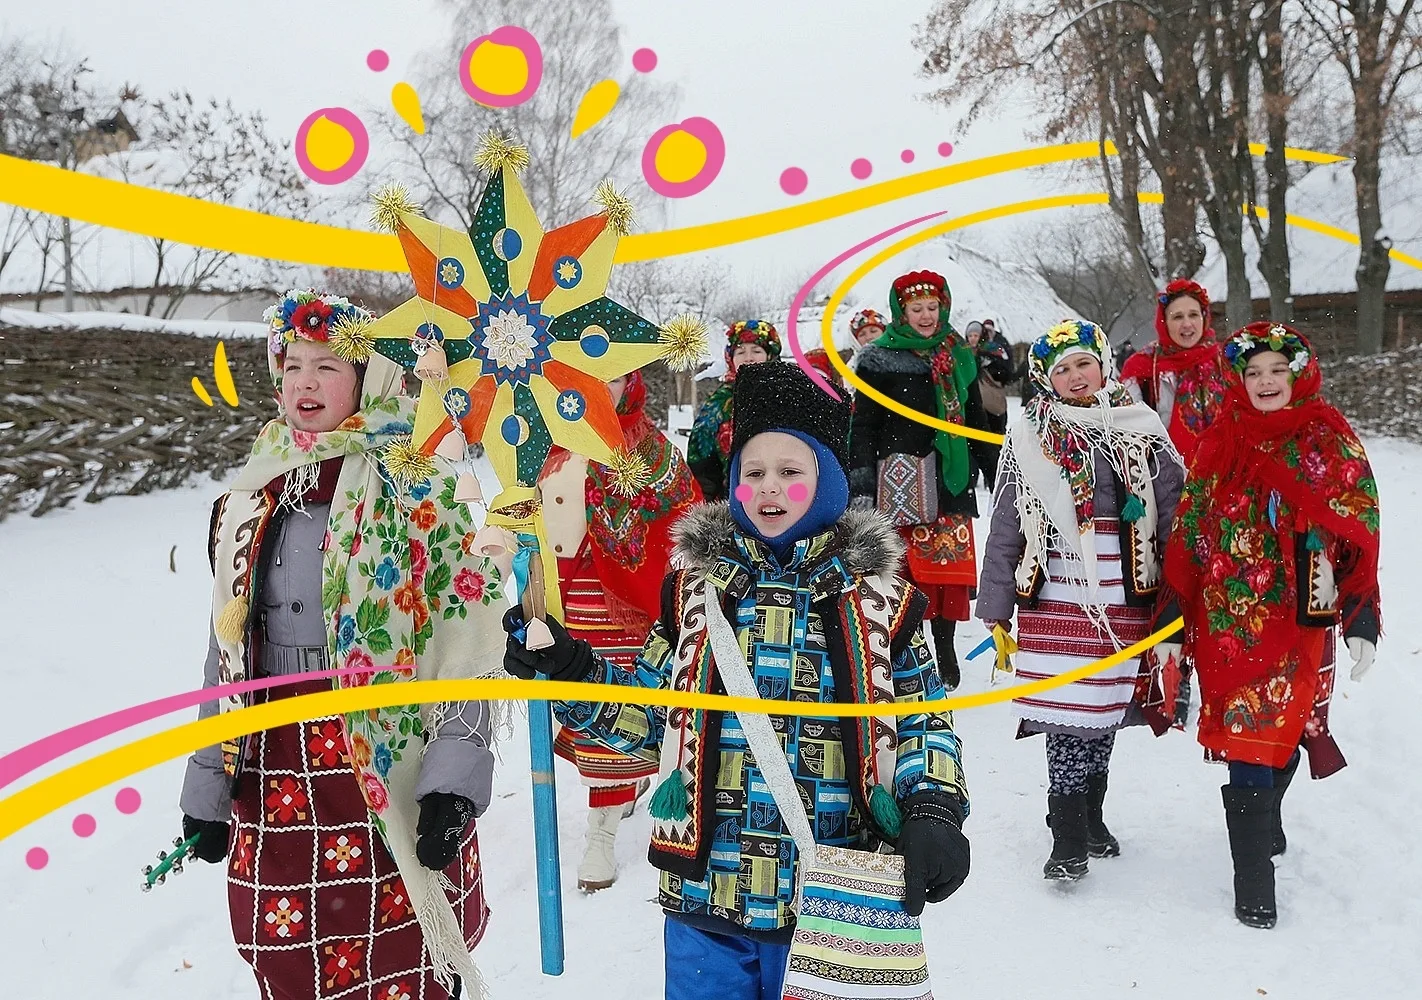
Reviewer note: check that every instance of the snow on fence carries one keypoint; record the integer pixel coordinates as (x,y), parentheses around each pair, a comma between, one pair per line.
(100,413)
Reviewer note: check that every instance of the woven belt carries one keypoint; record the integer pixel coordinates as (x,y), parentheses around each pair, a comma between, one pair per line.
(280,661)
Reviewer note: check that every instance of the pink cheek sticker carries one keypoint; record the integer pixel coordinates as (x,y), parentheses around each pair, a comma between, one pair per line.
(797,492)
(744,493)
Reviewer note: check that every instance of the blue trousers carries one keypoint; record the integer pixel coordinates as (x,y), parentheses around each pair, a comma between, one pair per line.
(705,966)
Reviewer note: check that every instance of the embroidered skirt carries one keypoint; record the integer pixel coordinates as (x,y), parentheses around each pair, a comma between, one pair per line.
(1057,636)
(941,561)
(586,616)
(317,904)
(1265,722)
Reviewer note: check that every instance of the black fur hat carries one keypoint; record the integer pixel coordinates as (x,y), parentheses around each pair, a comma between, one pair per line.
(778,396)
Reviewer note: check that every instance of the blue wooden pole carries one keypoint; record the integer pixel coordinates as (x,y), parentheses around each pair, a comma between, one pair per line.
(545,838)
(535,600)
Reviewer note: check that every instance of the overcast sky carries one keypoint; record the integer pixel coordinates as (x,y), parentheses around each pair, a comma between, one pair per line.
(789,82)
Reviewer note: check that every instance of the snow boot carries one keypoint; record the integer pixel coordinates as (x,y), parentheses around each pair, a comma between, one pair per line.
(599,867)
(1249,816)
(1067,818)
(1099,842)
(943,631)
(1282,777)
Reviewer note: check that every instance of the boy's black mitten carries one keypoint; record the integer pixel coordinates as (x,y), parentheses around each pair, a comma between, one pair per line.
(936,854)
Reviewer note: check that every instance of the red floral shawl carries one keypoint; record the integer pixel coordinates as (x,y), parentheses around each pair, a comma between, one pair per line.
(631,537)
(1257,480)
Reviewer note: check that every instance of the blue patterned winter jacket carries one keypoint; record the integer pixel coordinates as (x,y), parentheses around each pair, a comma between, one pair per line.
(813,631)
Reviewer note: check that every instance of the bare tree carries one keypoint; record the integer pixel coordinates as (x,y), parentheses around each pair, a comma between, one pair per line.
(1378,44)
(1088,266)
(581,46)
(45,107)
(1173,86)
(216,153)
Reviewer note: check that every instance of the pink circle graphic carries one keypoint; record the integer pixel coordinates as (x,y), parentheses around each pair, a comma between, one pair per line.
(861,168)
(85,825)
(37,858)
(127,801)
(906,156)
(797,492)
(517,38)
(793,180)
(744,492)
(378,60)
(347,120)
(706,132)
(945,149)
(644,60)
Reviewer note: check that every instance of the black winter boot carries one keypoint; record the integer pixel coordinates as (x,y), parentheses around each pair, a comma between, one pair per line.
(1249,815)
(1282,777)
(1066,814)
(943,631)
(1099,842)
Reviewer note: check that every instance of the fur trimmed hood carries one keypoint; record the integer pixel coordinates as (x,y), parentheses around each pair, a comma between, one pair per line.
(864,541)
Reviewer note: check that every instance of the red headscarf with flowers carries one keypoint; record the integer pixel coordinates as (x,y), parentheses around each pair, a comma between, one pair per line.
(1199,371)
(1258,481)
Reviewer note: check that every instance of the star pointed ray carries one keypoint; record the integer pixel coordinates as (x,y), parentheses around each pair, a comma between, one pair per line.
(393,331)
(443,263)
(616,361)
(573,266)
(505,234)
(579,412)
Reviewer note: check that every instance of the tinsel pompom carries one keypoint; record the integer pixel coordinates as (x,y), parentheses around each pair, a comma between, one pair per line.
(388,205)
(616,206)
(498,151)
(628,474)
(684,338)
(406,464)
(351,340)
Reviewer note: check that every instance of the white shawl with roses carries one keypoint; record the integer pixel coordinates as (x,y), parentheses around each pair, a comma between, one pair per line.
(404,585)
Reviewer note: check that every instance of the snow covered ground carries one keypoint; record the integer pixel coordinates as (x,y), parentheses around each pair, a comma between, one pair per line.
(29,319)
(94,620)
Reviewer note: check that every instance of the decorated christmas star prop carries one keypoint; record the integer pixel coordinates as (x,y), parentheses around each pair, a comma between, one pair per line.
(514,339)
(520,320)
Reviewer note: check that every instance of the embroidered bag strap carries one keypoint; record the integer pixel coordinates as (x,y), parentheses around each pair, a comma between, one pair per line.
(764,743)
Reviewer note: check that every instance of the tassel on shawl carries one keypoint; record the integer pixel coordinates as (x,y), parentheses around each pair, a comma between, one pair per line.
(231,624)
(887,816)
(669,801)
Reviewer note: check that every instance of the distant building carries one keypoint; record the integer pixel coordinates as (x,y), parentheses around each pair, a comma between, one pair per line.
(1323,282)
(107,135)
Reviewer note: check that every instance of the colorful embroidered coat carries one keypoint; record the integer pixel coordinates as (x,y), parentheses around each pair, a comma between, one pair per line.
(836,624)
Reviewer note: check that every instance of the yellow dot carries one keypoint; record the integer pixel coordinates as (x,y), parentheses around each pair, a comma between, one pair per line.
(680,157)
(329,146)
(499,69)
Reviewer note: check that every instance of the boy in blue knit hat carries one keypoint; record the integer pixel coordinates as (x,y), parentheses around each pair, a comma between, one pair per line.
(797,575)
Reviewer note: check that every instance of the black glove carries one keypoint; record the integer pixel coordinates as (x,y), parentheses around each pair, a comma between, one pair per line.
(936,855)
(568,659)
(443,819)
(212,840)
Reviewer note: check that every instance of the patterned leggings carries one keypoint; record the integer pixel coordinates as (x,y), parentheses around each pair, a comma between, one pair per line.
(1073,759)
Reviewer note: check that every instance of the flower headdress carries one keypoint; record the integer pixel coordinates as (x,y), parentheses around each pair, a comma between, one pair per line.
(1070,336)
(306,314)
(867,317)
(752,331)
(1264,336)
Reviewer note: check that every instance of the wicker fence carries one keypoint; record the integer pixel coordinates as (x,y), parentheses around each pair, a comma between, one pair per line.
(101,413)
(109,412)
